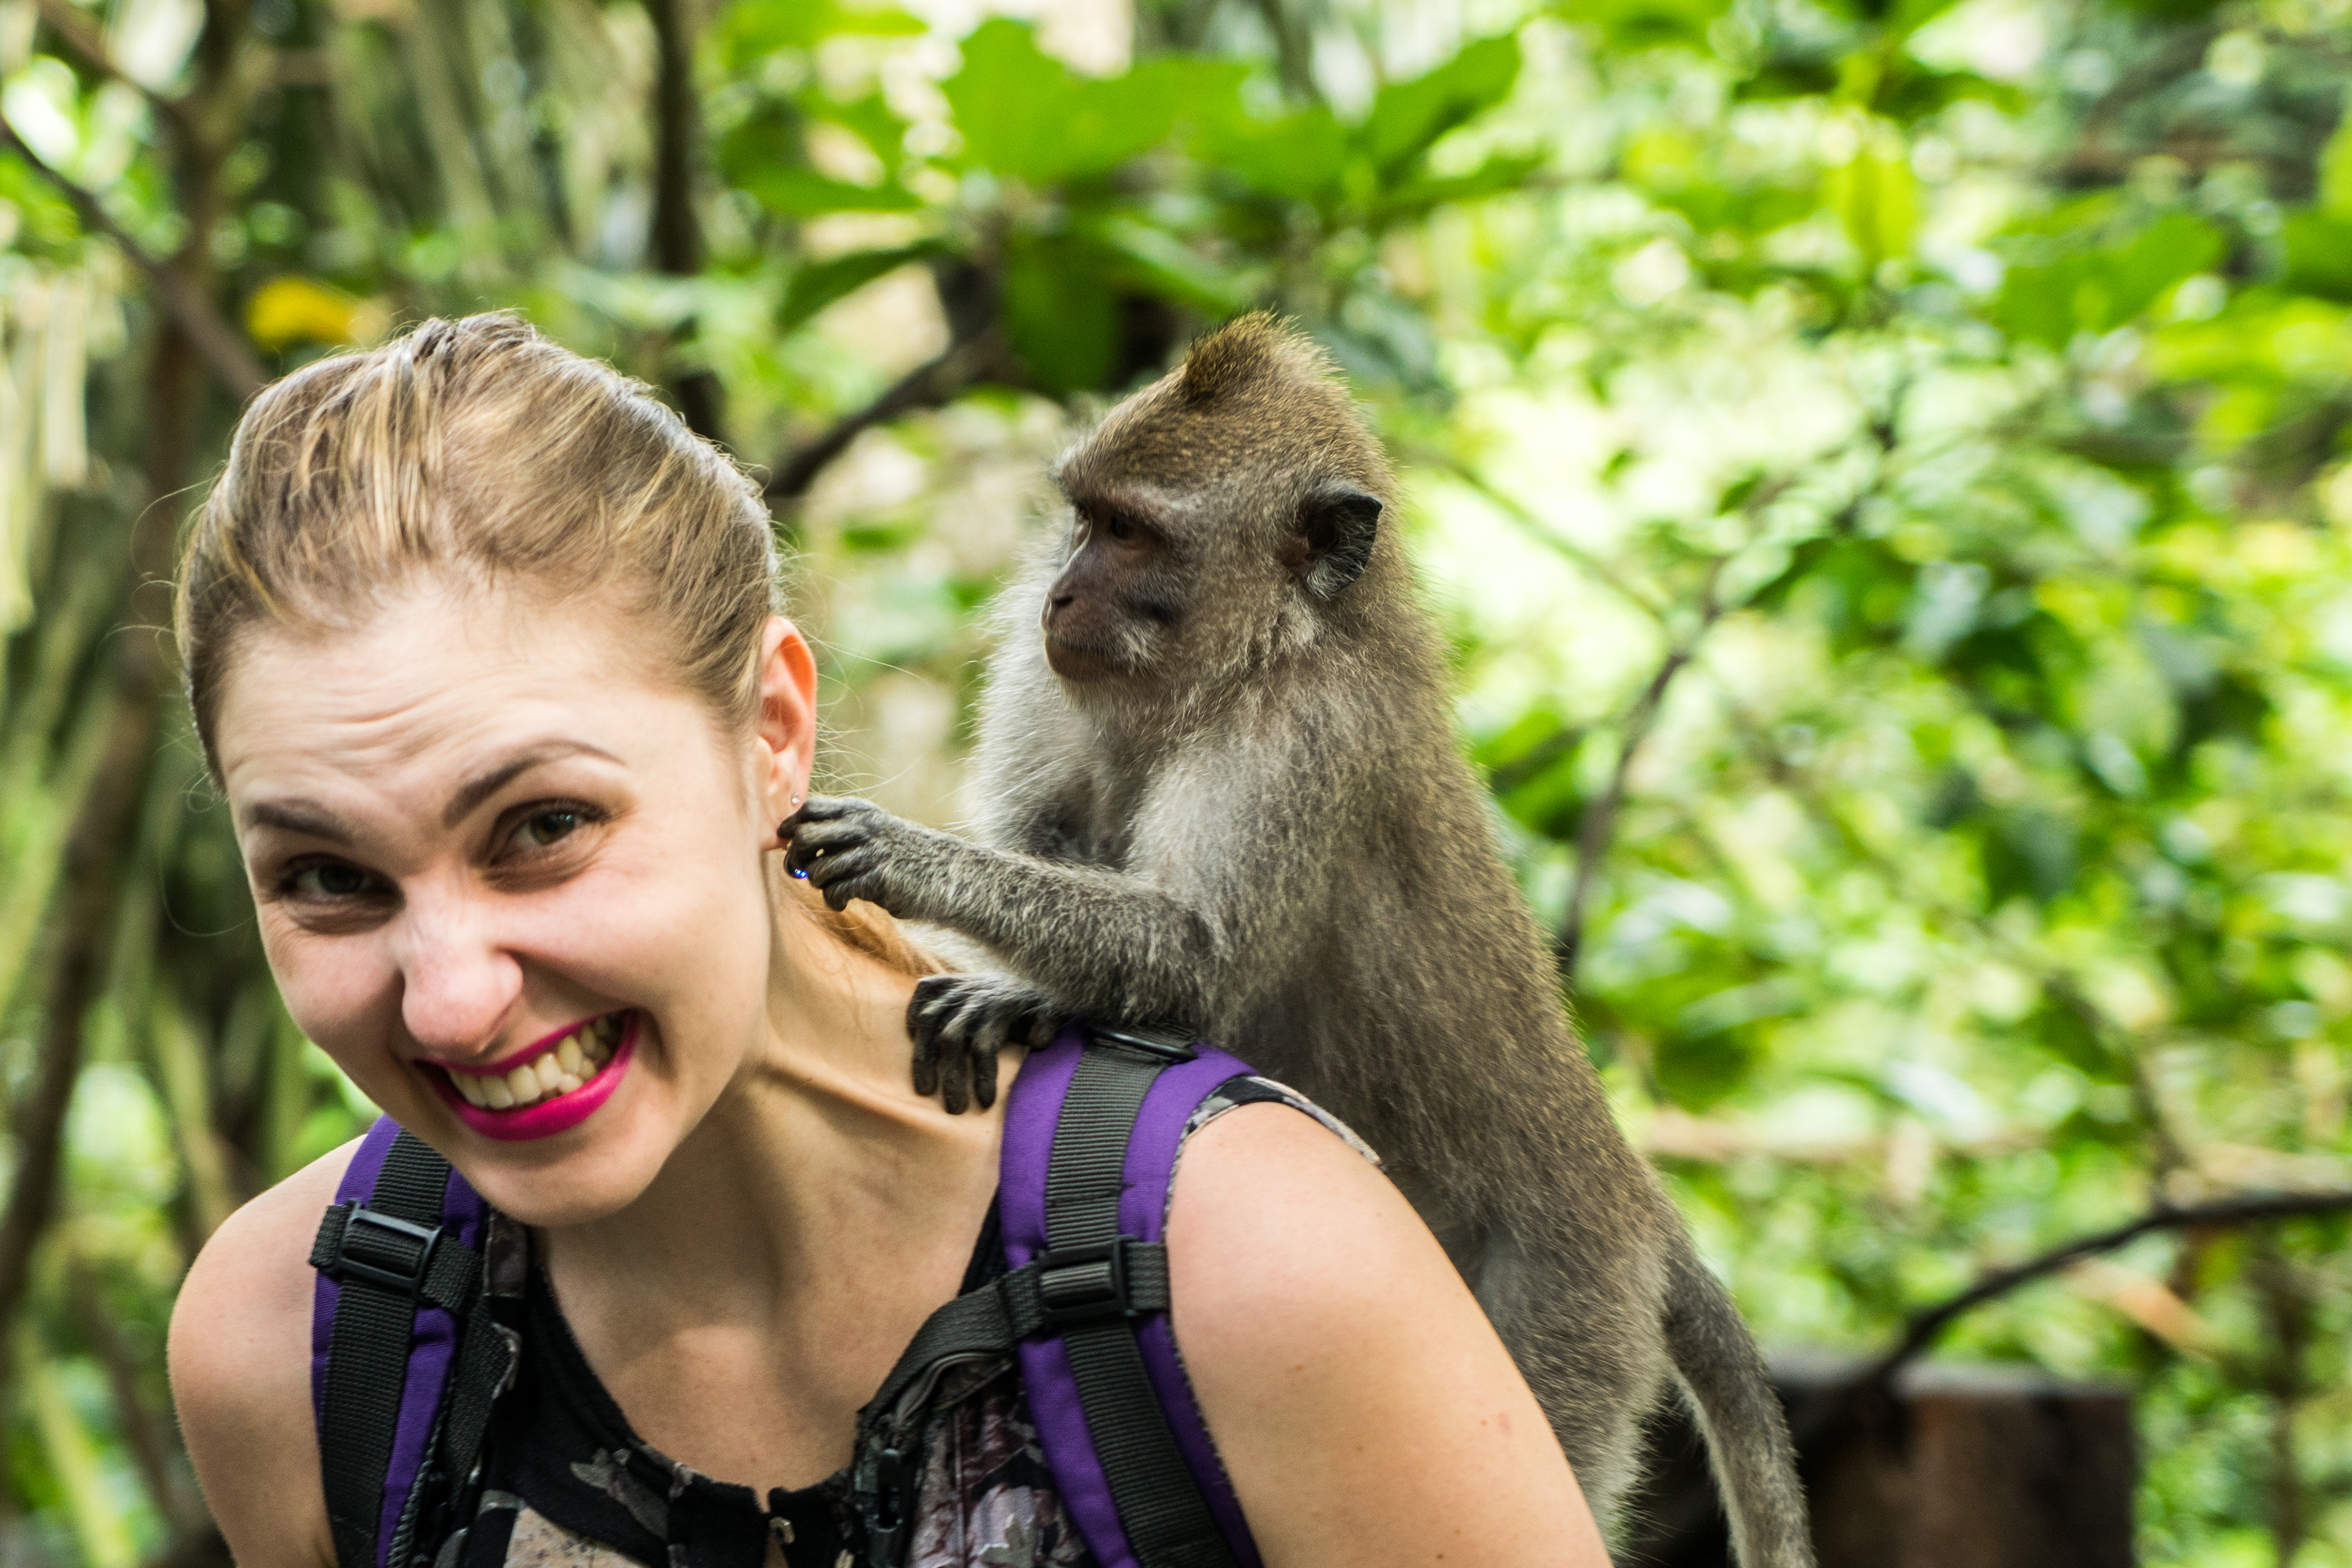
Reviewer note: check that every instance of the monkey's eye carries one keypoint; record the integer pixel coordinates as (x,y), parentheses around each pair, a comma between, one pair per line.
(1119,528)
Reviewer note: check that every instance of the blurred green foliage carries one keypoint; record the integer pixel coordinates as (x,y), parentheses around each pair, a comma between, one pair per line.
(1882,466)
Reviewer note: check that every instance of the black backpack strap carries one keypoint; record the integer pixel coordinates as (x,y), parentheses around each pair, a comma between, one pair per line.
(391,1256)
(1166,1519)
(1091,1283)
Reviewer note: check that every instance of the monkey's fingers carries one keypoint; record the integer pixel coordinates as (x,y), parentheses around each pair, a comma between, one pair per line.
(941,1036)
(995,1033)
(931,993)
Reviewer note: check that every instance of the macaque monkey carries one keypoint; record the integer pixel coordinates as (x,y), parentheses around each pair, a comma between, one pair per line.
(1224,796)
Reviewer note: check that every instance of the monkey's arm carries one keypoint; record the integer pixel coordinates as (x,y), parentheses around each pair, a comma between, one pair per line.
(1103,942)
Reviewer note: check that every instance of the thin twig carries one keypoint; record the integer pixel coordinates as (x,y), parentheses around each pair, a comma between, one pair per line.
(1598,824)
(1925,1325)
(1519,512)
(929,385)
(83,37)
(222,345)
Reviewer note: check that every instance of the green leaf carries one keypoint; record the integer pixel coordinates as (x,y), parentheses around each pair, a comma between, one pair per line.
(750,30)
(2319,253)
(1023,113)
(1298,155)
(2336,171)
(1408,116)
(1504,172)
(868,119)
(820,283)
(1632,25)
(1875,196)
(1060,313)
(2099,291)
(1157,262)
(804,193)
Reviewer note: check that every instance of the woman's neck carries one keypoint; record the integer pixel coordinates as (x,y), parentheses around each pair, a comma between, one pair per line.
(817,1167)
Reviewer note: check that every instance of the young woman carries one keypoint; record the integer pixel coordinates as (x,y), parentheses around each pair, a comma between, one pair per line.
(482,647)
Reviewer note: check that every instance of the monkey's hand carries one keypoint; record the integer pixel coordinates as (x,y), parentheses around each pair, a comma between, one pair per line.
(848,848)
(960,1022)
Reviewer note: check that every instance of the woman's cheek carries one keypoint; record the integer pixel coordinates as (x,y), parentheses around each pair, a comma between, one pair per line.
(330,988)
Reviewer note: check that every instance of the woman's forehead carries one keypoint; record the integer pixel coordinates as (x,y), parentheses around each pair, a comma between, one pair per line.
(432,680)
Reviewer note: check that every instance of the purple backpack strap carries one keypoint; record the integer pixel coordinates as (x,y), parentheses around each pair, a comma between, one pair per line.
(392,1287)
(1034,1113)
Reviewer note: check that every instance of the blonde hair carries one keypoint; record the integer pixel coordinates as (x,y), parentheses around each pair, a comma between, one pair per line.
(477,447)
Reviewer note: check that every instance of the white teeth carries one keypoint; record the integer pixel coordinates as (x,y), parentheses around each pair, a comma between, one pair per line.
(572,1062)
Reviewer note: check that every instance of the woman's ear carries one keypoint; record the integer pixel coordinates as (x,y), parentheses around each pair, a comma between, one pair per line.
(787,718)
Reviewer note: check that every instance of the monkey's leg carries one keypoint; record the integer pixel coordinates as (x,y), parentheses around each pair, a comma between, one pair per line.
(1108,945)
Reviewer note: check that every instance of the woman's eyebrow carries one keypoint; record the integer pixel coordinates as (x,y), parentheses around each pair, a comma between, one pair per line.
(298,816)
(479,789)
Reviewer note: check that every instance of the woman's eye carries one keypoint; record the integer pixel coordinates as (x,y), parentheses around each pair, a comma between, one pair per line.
(330,880)
(542,829)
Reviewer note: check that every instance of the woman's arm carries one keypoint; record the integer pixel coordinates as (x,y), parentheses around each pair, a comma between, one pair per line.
(1364,1408)
(240,1361)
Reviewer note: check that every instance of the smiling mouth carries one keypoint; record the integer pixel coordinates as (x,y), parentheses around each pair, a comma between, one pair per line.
(569,1063)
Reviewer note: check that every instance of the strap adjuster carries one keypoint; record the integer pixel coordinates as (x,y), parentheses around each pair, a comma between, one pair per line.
(1166,1045)
(383,1250)
(1080,1285)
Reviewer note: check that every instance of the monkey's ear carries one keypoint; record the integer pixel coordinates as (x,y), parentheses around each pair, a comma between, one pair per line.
(1338,525)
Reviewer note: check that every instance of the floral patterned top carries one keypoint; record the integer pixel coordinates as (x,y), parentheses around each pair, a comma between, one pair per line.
(567,1483)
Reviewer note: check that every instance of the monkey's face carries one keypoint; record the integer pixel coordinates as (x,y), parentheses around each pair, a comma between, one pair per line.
(1121,605)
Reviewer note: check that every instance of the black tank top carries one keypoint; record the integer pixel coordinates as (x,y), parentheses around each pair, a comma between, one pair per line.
(563,1455)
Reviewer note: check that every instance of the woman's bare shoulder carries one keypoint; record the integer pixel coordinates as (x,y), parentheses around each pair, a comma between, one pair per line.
(1363,1406)
(241,1364)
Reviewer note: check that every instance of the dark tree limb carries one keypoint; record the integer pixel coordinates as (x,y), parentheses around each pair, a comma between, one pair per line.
(1927,1325)
(84,927)
(675,239)
(145,1430)
(931,384)
(222,345)
(190,337)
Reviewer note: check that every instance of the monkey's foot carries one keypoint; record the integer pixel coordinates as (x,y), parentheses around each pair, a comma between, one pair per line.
(960,1022)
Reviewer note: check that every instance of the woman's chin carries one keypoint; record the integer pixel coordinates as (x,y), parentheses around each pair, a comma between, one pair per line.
(593,1179)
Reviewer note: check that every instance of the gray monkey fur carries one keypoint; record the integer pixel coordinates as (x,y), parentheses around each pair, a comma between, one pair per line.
(1248,814)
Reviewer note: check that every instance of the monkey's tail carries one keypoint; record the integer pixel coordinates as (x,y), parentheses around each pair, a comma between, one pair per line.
(1747,1436)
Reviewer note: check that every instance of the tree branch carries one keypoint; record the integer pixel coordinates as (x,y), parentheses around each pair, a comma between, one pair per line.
(84,39)
(1598,825)
(675,238)
(222,345)
(929,385)
(1925,1326)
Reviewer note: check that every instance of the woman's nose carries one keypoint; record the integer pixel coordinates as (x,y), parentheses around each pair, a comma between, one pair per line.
(459,982)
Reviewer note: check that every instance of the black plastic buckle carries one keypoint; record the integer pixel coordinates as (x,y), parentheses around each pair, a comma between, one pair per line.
(383,1250)
(1165,1044)
(1081,1285)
